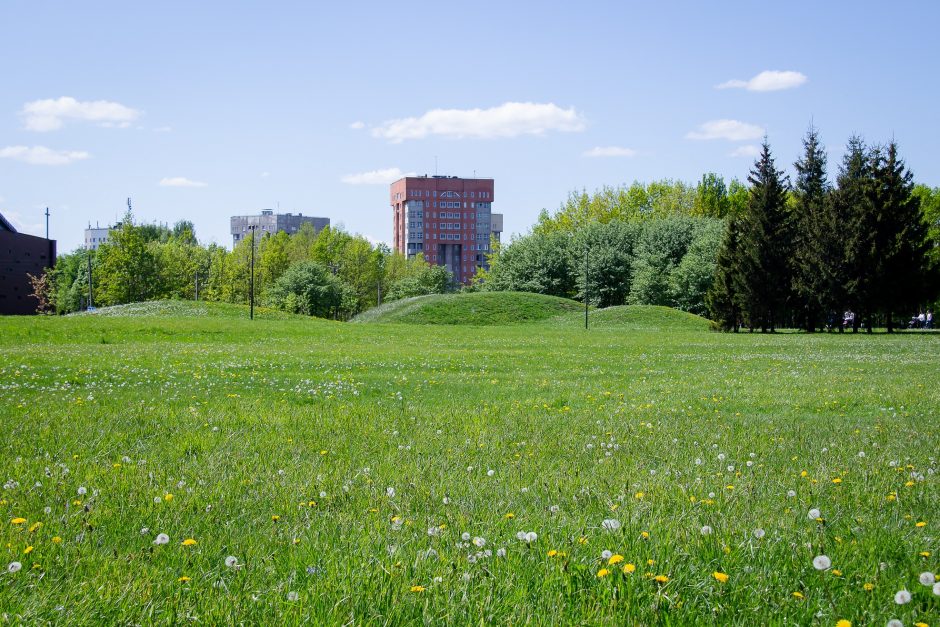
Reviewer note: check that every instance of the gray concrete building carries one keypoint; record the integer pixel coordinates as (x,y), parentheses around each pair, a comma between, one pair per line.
(270,223)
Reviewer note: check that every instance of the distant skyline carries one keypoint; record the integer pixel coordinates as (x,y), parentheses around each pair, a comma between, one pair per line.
(202,111)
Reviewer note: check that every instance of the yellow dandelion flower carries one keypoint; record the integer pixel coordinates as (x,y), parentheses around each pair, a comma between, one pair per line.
(798,595)
(614,559)
(729,487)
(552,553)
(661,579)
(418,588)
(509,516)
(924,553)
(844,623)
(836,572)
(804,474)
(921,625)
(275,517)
(909,484)
(189,542)
(56,540)
(727,550)
(650,562)
(720,577)
(639,495)
(17,521)
(645,535)
(27,550)
(296,540)
(582,540)
(184,579)
(868,587)
(614,507)
(35,526)
(323,452)
(602,573)
(167,497)
(837,481)
(921,524)
(892,497)
(76,503)
(311,503)
(629,569)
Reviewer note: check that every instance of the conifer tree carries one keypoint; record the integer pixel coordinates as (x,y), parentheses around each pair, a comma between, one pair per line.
(900,238)
(852,203)
(813,235)
(722,297)
(766,245)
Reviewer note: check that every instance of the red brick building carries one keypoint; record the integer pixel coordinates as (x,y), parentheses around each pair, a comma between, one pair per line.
(21,254)
(446,218)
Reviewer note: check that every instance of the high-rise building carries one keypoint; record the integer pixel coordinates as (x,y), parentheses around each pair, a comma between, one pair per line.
(447,218)
(96,235)
(270,223)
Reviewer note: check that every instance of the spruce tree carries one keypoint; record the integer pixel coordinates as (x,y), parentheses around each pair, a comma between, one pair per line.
(900,238)
(722,298)
(766,245)
(812,234)
(852,205)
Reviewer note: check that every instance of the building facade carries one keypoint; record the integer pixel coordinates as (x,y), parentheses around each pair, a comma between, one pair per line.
(95,236)
(270,223)
(20,255)
(447,218)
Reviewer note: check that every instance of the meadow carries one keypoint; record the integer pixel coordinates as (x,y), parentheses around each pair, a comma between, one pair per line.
(177,462)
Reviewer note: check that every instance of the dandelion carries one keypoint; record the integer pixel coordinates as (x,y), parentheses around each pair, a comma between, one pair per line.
(14,567)
(161,538)
(844,623)
(81,491)
(645,535)
(706,530)
(189,542)
(418,588)
(500,552)
(28,550)
(490,473)
(157,500)
(531,537)
(614,559)
(33,527)
(17,521)
(821,562)
(231,561)
(814,514)
(606,555)
(759,533)
(902,596)
(479,542)
(56,540)
(275,518)
(661,579)
(610,524)
(602,573)
(390,492)
(798,595)
(921,524)
(720,577)
(446,500)
(936,588)
(465,536)
(639,496)
(927,579)
(292,596)
(629,569)
(791,493)
(168,497)
(184,579)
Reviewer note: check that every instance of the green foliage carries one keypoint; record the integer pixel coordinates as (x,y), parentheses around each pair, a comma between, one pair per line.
(127,268)
(426,279)
(311,289)
(478,308)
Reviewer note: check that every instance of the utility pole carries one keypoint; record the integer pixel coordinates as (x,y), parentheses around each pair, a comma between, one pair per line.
(91,302)
(251,286)
(47,222)
(197,286)
(587,279)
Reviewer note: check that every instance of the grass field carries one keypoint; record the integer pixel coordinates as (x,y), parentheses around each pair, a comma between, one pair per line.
(313,471)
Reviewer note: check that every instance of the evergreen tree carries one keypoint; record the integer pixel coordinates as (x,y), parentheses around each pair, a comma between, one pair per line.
(765,245)
(900,271)
(722,298)
(852,203)
(811,233)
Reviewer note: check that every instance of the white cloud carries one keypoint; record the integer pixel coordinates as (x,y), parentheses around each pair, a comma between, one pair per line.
(357,125)
(732,130)
(180,181)
(510,119)
(40,155)
(376,177)
(749,150)
(375,241)
(609,151)
(768,80)
(51,114)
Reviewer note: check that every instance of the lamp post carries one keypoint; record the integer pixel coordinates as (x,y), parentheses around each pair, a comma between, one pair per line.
(587,280)
(251,284)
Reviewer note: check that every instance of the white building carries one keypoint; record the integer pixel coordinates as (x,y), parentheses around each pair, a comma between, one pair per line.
(96,236)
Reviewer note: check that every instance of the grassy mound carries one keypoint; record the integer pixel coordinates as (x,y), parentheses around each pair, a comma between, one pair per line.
(481,308)
(186,309)
(638,317)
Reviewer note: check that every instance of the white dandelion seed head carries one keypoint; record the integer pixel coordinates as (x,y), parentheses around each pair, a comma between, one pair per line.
(434,531)
(759,533)
(292,596)
(698,461)
(231,561)
(525,490)
(894,623)
(322,494)
(446,500)
(47,509)
(14,567)
(438,579)
(721,457)
(554,509)
(861,453)
(749,463)
(465,536)
(902,596)
(706,530)
(610,524)
(500,552)
(390,492)
(813,514)
(927,579)
(490,473)
(82,490)
(752,455)
(479,542)
(520,536)
(157,499)
(144,531)
(472,559)
(791,493)
(161,538)
(605,555)
(531,537)
(822,562)
(711,495)
(469,468)
(465,576)
(936,588)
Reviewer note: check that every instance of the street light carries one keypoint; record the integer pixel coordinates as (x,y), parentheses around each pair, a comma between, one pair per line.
(251,285)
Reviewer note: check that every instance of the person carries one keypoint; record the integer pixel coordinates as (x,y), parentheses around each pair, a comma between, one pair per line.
(921,320)
(928,322)
(848,318)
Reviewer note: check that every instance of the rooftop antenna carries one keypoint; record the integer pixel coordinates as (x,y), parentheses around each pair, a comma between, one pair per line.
(129,208)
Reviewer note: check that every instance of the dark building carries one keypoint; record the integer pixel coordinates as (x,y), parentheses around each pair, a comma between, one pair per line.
(269,223)
(20,255)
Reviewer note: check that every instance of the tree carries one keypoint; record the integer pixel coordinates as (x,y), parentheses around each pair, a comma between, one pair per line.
(765,245)
(711,197)
(814,236)
(128,272)
(723,298)
(852,203)
(431,279)
(901,246)
(311,289)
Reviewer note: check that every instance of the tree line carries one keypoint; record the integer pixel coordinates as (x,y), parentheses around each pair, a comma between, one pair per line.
(817,255)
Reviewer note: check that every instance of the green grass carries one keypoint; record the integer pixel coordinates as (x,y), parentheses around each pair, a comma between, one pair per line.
(475,309)
(311,421)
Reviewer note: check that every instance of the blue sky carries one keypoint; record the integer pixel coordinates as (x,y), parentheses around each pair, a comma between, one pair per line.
(205,110)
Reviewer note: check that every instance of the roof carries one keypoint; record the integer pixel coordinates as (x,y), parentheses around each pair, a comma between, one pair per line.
(5,225)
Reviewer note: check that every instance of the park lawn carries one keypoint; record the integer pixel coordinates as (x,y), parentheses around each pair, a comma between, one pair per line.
(340,464)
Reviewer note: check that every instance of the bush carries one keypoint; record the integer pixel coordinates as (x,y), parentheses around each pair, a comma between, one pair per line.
(311,289)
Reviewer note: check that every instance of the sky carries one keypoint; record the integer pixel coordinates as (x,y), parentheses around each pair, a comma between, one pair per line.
(204,110)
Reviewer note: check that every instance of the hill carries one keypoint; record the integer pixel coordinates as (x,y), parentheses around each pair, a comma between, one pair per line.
(186,309)
(479,308)
(638,317)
